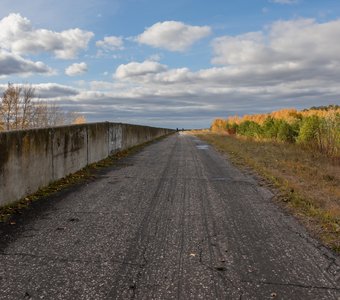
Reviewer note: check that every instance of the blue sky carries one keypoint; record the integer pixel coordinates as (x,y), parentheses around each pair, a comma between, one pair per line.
(178,63)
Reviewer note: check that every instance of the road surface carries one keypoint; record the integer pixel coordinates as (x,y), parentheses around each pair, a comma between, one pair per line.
(175,221)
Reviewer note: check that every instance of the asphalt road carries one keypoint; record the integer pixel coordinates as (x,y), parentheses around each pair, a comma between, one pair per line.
(175,221)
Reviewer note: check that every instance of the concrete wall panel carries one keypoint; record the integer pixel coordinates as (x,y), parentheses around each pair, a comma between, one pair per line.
(31,159)
(98,140)
(69,150)
(115,137)
(25,163)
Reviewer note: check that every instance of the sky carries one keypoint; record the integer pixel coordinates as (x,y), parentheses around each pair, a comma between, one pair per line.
(178,63)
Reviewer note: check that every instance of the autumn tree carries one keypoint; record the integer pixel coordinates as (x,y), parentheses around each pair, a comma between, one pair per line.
(20,108)
(9,107)
(79,120)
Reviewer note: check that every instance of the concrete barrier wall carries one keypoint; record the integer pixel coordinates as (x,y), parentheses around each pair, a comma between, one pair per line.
(69,150)
(32,159)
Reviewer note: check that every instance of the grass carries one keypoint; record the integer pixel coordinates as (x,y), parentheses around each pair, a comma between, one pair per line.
(308,183)
(86,174)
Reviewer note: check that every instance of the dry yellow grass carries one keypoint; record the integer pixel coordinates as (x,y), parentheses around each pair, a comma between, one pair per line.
(309,183)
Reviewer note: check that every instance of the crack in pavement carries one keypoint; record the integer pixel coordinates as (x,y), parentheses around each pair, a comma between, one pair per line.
(334,272)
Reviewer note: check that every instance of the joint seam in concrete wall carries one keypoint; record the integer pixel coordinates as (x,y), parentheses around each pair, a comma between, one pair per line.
(108,139)
(87,145)
(52,153)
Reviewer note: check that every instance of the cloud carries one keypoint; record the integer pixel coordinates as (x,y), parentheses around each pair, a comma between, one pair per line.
(288,64)
(173,36)
(136,69)
(12,64)
(155,57)
(54,90)
(284,1)
(265,10)
(17,35)
(301,43)
(193,104)
(246,48)
(50,91)
(111,43)
(76,69)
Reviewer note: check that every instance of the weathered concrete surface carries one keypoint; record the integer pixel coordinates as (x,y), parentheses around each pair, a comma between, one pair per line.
(24,156)
(98,141)
(115,137)
(176,221)
(31,159)
(69,151)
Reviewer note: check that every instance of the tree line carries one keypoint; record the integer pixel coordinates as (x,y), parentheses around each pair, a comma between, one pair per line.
(20,108)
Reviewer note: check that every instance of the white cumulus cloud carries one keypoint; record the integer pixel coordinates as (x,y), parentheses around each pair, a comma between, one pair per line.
(292,62)
(246,48)
(302,42)
(172,35)
(137,69)
(50,90)
(111,43)
(76,69)
(284,1)
(11,64)
(53,90)
(17,35)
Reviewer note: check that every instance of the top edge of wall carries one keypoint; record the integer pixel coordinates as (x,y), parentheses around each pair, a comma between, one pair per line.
(81,125)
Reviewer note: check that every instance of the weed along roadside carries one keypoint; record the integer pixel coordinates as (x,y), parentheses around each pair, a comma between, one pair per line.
(10,212)
(308,183)
(316,129)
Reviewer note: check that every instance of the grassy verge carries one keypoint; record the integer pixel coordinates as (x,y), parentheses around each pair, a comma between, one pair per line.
(86,174)
(309,183)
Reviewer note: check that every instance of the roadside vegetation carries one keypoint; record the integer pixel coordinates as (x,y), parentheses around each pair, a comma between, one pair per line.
(298,152)
(317,129)
(21,108)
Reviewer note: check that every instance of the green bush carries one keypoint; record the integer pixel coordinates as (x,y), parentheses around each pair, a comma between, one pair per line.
(285,132)
(269,128)
(329,135)
(309,130)
(321,133)
(250,129)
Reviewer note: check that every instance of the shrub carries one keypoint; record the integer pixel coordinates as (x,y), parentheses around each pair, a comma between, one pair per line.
(285,132)
(269,128)
(317,128)
(218,125)
(309,130)
(329,135)
(250,129)
(231,128)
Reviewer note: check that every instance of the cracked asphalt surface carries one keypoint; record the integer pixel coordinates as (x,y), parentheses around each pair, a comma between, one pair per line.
(175,221)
